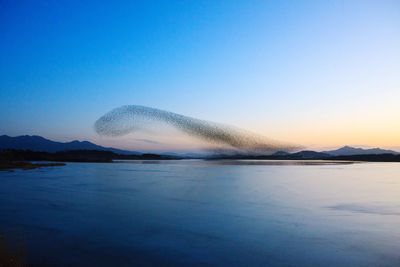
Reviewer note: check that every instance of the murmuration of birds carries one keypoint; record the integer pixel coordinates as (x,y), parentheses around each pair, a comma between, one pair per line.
(130,118)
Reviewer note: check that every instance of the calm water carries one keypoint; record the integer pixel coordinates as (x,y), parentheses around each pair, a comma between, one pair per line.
(197,213)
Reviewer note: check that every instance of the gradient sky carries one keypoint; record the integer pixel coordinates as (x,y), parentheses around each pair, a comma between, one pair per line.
(317,73)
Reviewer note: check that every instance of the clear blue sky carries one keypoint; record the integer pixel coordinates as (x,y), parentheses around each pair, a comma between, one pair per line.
(318,73)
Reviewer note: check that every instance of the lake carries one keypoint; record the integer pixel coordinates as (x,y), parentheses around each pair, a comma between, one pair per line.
(203,213)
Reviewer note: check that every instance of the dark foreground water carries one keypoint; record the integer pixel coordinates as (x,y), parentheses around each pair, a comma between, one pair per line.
(197,213)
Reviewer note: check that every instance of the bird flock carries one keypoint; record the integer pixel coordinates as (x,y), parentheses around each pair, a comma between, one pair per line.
(130,118)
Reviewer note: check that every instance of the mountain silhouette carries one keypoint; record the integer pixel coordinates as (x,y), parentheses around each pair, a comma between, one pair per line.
(348,150)
(308,154)
(38,143)
(41,144)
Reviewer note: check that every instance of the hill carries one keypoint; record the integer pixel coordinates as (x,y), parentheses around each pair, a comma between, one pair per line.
(38,143)
(348,151)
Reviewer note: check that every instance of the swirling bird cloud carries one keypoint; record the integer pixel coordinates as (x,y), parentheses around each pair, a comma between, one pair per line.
(128,119)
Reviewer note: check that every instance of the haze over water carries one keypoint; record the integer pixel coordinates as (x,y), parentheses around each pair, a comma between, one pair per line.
(204,213)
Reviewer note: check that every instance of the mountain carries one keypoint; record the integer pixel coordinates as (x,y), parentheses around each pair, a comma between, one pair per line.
(348,150)
(38,143)
(308,154)
(281,153)
(41,144)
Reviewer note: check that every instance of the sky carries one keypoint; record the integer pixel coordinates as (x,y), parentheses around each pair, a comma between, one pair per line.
(317,73)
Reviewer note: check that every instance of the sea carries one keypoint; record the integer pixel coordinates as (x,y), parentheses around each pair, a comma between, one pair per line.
(203,213)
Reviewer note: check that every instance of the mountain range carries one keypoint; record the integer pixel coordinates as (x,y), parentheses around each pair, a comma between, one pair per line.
(38,143)
(348,151)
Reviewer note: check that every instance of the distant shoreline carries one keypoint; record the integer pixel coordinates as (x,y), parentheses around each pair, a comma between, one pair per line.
(353,158)
(23,159)
(26,165)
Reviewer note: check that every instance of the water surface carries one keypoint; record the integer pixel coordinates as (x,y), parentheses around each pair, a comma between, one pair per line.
(204,213)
